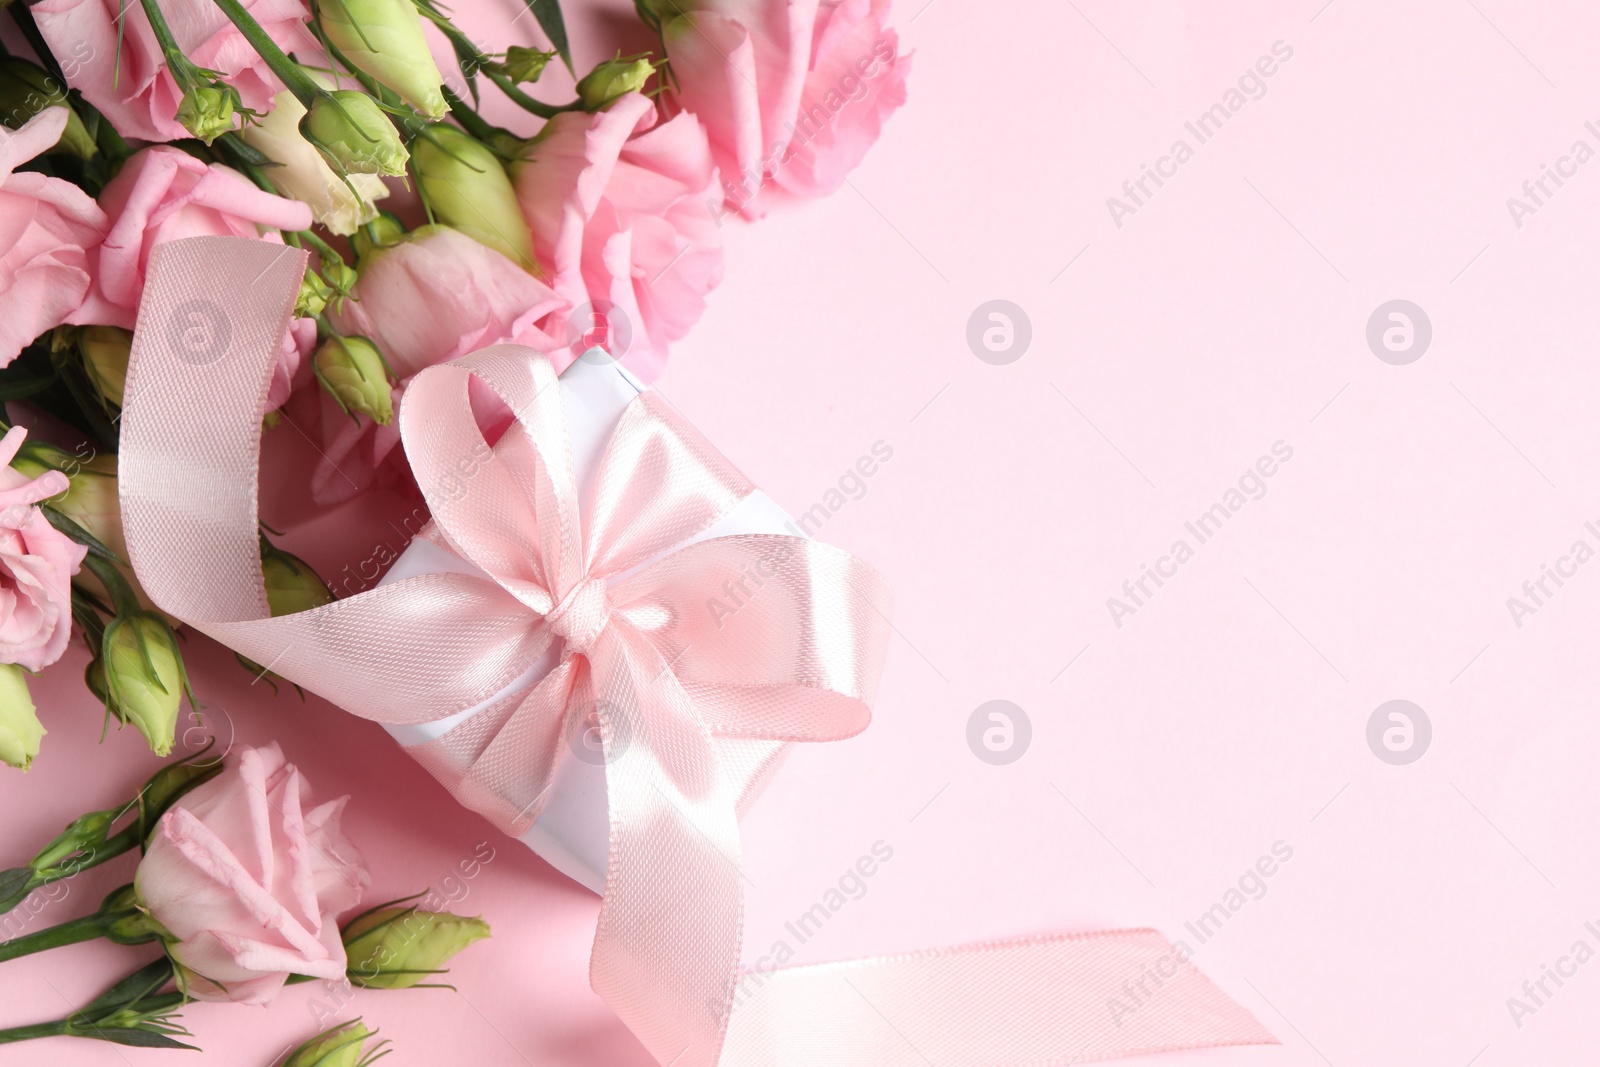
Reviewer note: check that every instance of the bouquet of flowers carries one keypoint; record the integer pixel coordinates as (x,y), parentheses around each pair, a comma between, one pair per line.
(597,221)
(501,195)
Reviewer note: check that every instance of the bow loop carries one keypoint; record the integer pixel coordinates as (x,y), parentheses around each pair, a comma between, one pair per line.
(512,510)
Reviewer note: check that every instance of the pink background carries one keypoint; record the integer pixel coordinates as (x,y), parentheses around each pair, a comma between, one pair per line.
(1167,354)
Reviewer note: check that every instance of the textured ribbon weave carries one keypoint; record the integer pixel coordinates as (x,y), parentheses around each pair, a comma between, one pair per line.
(640,654)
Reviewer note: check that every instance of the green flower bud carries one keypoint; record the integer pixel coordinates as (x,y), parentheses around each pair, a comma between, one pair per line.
(467,188)
(526,64)
(144,677)
(20,729)
(314,295)
(94,677)
(301,172)
(354,132)
(353,371)
(105,360)
(26,90)
(342,1046)
(292,586)
(383,38)
(207,111)
(381,232)
(614,78)
(342,276)
(395,947)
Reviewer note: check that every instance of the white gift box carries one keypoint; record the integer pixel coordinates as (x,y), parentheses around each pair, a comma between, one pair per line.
(572,832)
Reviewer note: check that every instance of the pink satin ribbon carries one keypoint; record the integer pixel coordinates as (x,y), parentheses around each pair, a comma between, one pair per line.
(641,653)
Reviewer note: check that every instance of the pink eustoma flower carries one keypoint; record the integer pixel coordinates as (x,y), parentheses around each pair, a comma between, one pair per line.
(37,563)
(248,878)
(49,229)
(622,211)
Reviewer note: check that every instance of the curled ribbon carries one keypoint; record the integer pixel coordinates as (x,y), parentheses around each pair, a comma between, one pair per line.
(639,652)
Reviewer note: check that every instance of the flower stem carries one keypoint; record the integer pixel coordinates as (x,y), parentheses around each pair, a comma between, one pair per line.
(177,62)
(465,45)
(79,860)
(68,933)
(288,71)
(59,1028)
(470,120)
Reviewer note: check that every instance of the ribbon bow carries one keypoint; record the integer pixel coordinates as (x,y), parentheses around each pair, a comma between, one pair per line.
(644,648)
(645,651)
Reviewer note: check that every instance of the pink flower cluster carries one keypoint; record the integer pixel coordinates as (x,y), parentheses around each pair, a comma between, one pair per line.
(766,99)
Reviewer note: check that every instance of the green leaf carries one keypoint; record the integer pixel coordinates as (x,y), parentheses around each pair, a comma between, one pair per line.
(17,388)
(548,12)
(135,987)
(129,1035)
(14,883)
(242,153)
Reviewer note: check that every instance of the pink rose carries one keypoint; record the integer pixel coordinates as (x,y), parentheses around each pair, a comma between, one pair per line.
(249,880)
(619,206)
(47,228)
(436,295)
(792,95)
(37,563)
(163,194)
(135,91)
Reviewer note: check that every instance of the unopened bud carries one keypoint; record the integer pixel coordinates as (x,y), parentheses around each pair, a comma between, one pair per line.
(467,188)
(301,172)
(20,729)
(343,1046)
(341,275)
(292,586)
(353,371)
(105,360)
(207,111)
(355,133)
(396,947)
(381,232)
(526,64)
(613,79)
(383,39)
(314,295)
(144,677)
